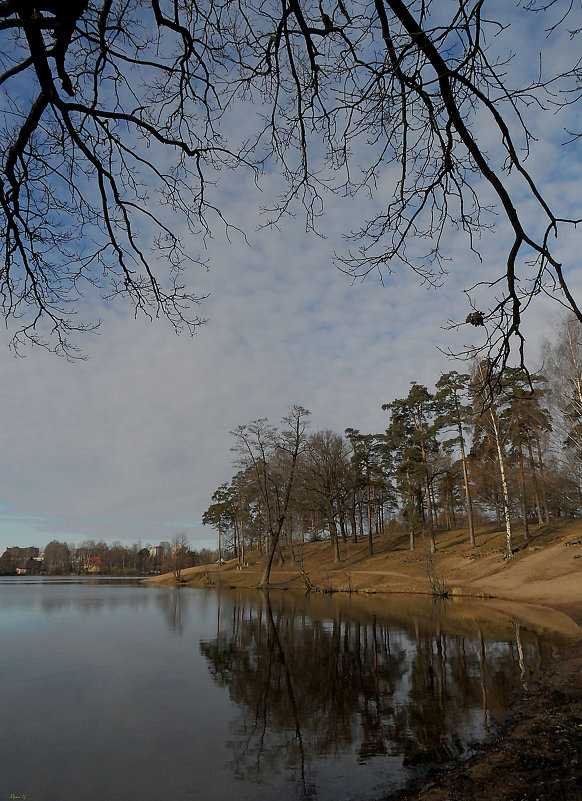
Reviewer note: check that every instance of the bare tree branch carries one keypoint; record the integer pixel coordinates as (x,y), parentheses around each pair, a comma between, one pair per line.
(99,95)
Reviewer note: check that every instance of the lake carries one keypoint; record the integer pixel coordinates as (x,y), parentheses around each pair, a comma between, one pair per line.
(111,689)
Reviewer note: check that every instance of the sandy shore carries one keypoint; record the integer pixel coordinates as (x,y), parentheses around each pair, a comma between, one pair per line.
(545,570)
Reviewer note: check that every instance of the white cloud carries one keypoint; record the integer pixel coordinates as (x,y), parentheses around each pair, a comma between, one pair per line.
(132,443)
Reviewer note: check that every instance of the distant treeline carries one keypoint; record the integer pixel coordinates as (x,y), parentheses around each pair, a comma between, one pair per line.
(61,558)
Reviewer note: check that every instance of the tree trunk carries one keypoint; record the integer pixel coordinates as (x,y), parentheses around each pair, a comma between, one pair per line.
(433,547)
(289,529)
(430,516)
(468,499)
(521,478)
(506,508)
(237,540)
(353,521)
(273,540)
(334,537)
(342,523)
(535,480)
(543,480)
(411,505)
(370,535)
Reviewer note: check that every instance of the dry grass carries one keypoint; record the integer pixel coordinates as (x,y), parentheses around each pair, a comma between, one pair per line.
(546,569)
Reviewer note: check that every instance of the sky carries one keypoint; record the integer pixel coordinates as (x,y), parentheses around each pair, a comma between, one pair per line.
(131,443)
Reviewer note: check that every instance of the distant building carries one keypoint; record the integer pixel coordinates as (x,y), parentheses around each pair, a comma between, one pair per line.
(22,554)
(16,557)
(93,564)
(29,568)
(157,553)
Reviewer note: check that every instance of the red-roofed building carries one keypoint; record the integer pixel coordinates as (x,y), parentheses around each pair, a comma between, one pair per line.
(93,564)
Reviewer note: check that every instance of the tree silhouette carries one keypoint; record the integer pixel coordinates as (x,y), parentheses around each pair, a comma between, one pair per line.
(115,116)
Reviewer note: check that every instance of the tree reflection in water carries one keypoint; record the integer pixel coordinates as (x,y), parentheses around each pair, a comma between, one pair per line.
(316,685)
(173,610)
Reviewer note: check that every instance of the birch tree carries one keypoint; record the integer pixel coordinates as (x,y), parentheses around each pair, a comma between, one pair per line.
(563,365)
(485,399)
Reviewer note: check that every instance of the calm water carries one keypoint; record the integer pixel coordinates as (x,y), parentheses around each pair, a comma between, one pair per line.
(125,691)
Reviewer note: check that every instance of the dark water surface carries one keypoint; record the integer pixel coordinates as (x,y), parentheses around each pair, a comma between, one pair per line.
(116,690)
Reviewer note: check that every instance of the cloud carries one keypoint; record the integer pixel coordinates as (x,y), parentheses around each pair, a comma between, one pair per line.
(132,443)
(137,436)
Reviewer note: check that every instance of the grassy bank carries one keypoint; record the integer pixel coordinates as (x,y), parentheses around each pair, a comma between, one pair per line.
(546,569)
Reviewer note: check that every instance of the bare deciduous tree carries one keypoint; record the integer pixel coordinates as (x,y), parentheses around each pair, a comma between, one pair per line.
(272,455)
(108,103)
(180,549)
(563,366)
(326,475)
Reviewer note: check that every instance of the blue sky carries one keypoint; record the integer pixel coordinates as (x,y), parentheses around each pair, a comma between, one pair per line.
(130,444)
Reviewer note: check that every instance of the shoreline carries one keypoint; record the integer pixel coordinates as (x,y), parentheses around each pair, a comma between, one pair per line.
(546,570)
(536,755)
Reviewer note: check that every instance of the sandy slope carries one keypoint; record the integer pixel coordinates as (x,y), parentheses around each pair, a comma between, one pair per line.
(546,570)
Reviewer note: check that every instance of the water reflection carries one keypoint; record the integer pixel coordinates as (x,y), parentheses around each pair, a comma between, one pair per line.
(174,612)
(70,595)
(152,692)
(82,596)
(310,685)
